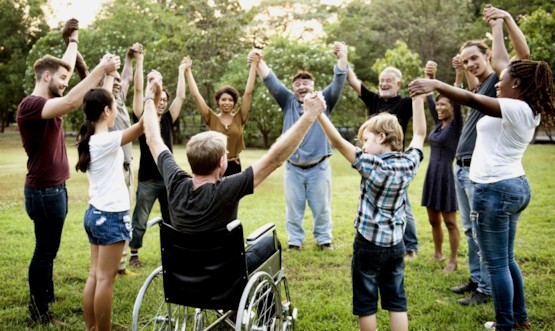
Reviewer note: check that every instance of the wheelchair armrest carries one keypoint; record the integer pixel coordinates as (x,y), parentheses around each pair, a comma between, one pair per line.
(154,221)
(260,232)
(232,225)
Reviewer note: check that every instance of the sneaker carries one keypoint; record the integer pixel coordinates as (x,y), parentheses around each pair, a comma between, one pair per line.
(475,298)
(466,287)
(326,247)
(518,325)
(411,255)
(489,325)
(293,248)
(135,261)
(124,272)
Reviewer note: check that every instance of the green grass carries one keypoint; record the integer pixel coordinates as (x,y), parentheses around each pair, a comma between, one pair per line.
(319,281)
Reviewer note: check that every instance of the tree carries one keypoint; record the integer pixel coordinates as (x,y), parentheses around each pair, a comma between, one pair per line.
(22,23)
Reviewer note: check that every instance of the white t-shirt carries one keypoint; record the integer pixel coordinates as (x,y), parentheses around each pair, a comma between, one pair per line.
(501,142)
(107,189)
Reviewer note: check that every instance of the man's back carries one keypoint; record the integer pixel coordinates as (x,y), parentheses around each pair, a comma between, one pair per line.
(210,206)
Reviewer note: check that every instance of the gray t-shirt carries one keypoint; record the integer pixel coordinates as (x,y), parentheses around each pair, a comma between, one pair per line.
(123,121)
(211,206)
(467,141)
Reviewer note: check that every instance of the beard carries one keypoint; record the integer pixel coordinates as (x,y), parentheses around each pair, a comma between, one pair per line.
(53,90)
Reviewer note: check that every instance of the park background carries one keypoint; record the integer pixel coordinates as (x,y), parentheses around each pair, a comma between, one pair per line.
(293,35)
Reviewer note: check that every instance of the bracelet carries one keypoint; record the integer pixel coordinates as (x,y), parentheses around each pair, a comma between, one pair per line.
(148,98)
(72,40)
(459,86)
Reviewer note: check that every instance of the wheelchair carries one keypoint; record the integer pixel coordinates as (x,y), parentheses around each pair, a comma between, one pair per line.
(203,284)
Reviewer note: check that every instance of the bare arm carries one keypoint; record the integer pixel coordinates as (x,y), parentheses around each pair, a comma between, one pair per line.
(517,37)
(201,104)
(127,71)
(314,105)
(133,132)
(340,51)
(175,107)
(138,86)
(60,106)
(353,81)
(249,89)
(487,105)
(343,146)
(71,39)
(150,118)
(418,122)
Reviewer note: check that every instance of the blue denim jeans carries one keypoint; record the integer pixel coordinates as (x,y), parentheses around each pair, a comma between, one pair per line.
(106,228)
(496,208)
(312,185)
(376,268)
(48,209)
(147,192)
(409,237)
(465,194)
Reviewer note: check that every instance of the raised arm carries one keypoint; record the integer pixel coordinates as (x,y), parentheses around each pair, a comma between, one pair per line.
(487,105)
(150,118)
(60,106)
(133,132)
(353,81)
(515,34)
(342,145)
(138,85)
(70,34)
(314,105)
(340,51)
(262,68)
(249,89)
(471,80)
(201,104)
(418,122)
(175,107)
(127,71)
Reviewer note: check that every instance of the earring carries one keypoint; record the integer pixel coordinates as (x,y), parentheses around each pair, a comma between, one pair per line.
(514,86)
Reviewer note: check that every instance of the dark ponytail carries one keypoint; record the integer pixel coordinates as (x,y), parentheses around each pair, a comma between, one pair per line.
(94,103)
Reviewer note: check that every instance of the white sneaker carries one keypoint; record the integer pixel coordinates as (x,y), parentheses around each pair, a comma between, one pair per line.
(489,325)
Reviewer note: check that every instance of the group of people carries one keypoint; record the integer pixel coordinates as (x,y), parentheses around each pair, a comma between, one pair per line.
(488,185)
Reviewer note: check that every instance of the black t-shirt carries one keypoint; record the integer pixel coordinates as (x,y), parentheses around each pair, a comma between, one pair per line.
(147,166)
(211,206)
(398,106)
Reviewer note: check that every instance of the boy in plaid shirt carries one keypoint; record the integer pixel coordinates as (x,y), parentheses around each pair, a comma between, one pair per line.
(386,172)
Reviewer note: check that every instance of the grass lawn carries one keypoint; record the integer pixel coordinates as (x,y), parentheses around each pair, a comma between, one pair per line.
(319,281)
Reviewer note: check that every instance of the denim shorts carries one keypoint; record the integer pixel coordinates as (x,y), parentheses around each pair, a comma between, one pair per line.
(376,268)
(105,228)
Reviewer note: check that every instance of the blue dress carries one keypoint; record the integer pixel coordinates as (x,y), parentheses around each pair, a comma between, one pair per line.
(439,185)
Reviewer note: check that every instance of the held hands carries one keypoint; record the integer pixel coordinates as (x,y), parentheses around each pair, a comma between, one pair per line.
(421,86)
(154,86)
(494,16)
(186,63)
(110,63)
(70,30)
(314,104)
(254,56)
(340,49)
(430,70)
(135,50)
(457,63)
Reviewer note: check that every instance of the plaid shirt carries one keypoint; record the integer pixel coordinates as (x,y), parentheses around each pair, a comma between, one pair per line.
(383,187)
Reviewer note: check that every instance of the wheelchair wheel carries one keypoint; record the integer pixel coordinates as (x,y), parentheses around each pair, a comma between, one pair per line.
(151,312)
(260,305)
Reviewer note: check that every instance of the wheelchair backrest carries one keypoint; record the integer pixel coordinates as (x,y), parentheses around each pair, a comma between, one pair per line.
(203,270)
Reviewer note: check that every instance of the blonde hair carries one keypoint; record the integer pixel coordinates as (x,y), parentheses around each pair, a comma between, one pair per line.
(387,124)
(205,150)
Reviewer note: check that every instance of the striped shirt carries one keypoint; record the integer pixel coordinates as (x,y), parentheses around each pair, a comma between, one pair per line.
(383,187)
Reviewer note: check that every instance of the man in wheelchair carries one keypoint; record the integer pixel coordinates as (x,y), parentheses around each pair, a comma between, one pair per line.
(205,201)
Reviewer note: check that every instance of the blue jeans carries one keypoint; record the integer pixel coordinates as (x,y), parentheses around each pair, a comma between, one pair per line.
(376,268)
(147,192)
(496,208)
(409,237)
(465,194)
(106,228)
(48,209)
(312,185)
